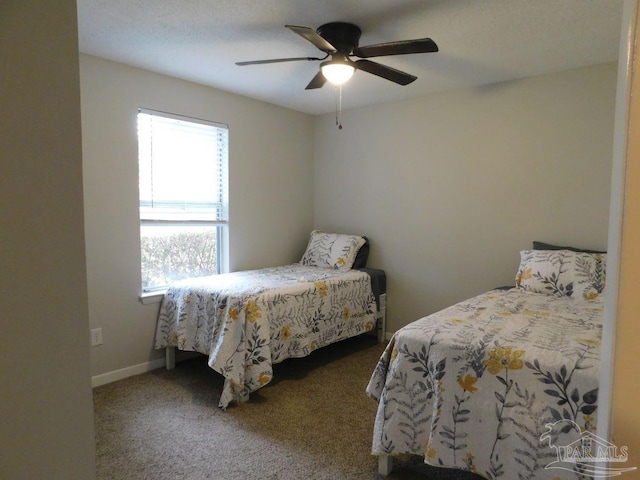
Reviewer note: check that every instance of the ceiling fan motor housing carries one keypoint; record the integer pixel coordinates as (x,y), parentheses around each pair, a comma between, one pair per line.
(343,36)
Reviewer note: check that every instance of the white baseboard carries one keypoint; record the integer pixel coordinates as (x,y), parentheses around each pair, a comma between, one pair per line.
(123,373)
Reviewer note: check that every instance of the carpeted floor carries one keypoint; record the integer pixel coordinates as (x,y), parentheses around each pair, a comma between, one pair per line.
(314,421)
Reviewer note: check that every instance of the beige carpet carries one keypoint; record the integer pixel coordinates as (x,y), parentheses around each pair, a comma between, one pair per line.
(314,421)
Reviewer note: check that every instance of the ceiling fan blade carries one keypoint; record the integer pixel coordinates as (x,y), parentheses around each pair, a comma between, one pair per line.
(316,82)
(312,36)
(277,60)
(421,45)
(397,76)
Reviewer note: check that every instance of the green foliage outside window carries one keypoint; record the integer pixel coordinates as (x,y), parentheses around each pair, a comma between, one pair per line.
(167,258)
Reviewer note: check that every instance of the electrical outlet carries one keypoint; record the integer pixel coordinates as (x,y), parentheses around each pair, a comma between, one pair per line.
(96,337)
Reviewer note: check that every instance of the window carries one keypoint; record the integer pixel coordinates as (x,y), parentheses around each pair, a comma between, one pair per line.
(183,165)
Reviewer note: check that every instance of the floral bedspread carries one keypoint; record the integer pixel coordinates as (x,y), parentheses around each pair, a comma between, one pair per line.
(492,385)
(247,321)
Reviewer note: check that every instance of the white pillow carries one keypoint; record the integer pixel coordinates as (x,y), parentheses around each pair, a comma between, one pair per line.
(332,250)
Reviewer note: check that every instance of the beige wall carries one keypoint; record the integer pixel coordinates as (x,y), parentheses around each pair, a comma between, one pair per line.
(450,187)
(626,388)
(46,415)
(271,192)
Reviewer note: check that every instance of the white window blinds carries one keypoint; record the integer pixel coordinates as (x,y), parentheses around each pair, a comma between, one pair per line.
(183,169)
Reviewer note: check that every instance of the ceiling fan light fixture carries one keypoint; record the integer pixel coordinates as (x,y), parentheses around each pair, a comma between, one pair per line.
(337,71)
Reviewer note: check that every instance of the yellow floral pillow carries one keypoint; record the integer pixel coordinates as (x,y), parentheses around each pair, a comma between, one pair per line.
(562,273)
(586,272)
(539,272)
(332,250)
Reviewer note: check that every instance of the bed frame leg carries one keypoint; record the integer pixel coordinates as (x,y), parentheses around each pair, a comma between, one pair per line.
(385,464)
(170,356)
(382,318)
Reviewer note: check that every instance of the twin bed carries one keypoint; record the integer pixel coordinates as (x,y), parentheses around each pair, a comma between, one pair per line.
(500,385)
(246,322)
(503,384)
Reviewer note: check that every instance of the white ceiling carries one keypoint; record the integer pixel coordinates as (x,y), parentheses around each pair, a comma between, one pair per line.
(480,41)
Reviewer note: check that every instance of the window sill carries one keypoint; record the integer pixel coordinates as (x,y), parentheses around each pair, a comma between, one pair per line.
(147,298)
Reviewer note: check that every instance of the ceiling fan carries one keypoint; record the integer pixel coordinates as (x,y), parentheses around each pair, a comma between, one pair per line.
(339,40)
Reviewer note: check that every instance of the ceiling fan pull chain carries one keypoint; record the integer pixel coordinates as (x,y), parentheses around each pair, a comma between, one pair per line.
(339,106)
